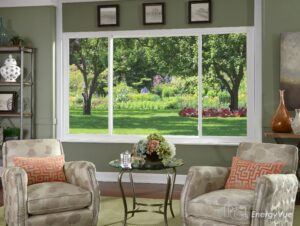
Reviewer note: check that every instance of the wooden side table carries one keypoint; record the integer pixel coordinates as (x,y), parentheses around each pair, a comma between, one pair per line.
(279,137)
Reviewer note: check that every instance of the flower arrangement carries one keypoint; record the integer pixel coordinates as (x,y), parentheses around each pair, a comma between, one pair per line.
(155,148)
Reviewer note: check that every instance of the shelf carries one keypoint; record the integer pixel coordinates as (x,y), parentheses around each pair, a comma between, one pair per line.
(282,135)
(15,83)
(16,49)
(15,114)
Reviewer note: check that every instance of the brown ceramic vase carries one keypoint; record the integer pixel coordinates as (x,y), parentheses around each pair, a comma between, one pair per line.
(281,122)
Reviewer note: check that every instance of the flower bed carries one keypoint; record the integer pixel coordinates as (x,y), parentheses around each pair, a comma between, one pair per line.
(213,112)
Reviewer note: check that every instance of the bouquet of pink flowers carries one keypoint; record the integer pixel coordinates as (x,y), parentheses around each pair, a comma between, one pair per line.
(155,147)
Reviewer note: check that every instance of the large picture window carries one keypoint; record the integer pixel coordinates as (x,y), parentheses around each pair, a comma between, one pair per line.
(192,85)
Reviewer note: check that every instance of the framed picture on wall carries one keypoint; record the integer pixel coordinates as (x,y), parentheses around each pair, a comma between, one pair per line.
(108,15)
(200,11)
(8,102)
(153,13)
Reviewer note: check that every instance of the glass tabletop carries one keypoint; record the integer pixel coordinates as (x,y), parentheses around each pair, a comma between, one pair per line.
(148,165)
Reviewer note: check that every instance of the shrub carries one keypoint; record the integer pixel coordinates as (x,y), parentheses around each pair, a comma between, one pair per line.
(122,92)
(143,97)
(168,90)
(157,90)
(78,99)
(211,102)
(186,85)
(188,101)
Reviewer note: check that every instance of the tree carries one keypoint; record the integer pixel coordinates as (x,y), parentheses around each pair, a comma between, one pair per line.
(90,57)
(132,62)
(175,55)
(137,60)
(224,62)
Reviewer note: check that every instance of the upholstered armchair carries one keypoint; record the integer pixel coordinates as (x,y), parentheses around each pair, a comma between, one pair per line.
(204,201)
(74,202)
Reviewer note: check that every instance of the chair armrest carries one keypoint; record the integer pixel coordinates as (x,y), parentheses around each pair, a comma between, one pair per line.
(14,181)
(200,180)
(275,196)
(83,174)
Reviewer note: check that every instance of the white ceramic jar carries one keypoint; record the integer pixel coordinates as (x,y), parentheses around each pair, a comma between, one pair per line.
(296,122)
(10,71)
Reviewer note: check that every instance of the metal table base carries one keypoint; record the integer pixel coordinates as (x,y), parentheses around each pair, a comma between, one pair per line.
(162,207)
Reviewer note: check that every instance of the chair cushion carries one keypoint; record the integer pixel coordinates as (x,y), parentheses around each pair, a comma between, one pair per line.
(45,169)
(230,206)
(243,173)
(54,197)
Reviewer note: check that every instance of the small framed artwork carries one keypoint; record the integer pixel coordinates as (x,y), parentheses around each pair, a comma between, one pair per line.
(200,11)
(8,102)
(153,13)
(108,15)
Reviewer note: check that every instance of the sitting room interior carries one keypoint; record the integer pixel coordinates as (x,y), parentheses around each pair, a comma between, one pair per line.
(106,83)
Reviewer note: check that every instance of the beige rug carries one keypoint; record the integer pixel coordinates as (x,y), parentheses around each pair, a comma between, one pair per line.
(111,214)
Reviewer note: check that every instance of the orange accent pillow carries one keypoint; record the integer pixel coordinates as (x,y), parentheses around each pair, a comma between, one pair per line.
(243,173)
(45,169)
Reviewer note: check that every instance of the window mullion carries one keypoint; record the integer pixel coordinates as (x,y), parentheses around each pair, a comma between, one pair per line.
(200,127)
(110,84)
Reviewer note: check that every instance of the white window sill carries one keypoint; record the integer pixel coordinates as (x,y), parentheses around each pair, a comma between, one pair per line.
(131,139)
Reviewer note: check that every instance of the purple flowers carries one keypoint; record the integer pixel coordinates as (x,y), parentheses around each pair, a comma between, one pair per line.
(157,79)
(145,90)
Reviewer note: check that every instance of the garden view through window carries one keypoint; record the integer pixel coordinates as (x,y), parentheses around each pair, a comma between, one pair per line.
(156,84)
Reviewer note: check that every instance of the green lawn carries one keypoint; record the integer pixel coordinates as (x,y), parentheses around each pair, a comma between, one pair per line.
(165,122)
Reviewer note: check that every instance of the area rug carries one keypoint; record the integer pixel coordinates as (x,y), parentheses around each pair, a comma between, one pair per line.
(111,214)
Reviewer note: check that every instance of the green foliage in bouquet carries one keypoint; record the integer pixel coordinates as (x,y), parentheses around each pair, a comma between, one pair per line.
(155,145)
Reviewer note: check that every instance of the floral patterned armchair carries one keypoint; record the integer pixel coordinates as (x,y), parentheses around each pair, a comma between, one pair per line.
(204,201)
(75,202)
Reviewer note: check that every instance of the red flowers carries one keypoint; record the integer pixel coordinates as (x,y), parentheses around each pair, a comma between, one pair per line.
(189,112)
(213,112)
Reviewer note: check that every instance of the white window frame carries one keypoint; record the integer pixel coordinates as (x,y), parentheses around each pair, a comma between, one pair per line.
(253,126)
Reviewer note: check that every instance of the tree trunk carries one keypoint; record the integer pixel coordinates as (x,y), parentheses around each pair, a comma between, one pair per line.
(86,104)
(234,98)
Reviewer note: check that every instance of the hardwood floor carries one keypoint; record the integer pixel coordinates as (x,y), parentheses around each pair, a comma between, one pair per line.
(155,191)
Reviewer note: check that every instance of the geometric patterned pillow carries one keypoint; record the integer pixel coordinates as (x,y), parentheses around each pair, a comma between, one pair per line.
(243,173)
(45,169)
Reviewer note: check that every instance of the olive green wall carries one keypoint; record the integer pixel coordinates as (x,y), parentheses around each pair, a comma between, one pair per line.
(101,154)
(278,17)
(36,25)
(224,14)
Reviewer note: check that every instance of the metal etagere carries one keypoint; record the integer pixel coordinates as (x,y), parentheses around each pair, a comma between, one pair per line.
(25,58)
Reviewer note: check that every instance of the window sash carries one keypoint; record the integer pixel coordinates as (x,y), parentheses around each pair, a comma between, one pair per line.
(199,139)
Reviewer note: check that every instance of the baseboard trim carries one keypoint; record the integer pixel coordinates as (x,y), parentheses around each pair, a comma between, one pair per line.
(149,178)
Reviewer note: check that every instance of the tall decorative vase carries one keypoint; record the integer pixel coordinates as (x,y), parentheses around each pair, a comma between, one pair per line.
(296,122)
(281,122)
(4,34)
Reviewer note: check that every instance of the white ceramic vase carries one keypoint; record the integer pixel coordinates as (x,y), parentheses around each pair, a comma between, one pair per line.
(296,122)
(10,71)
